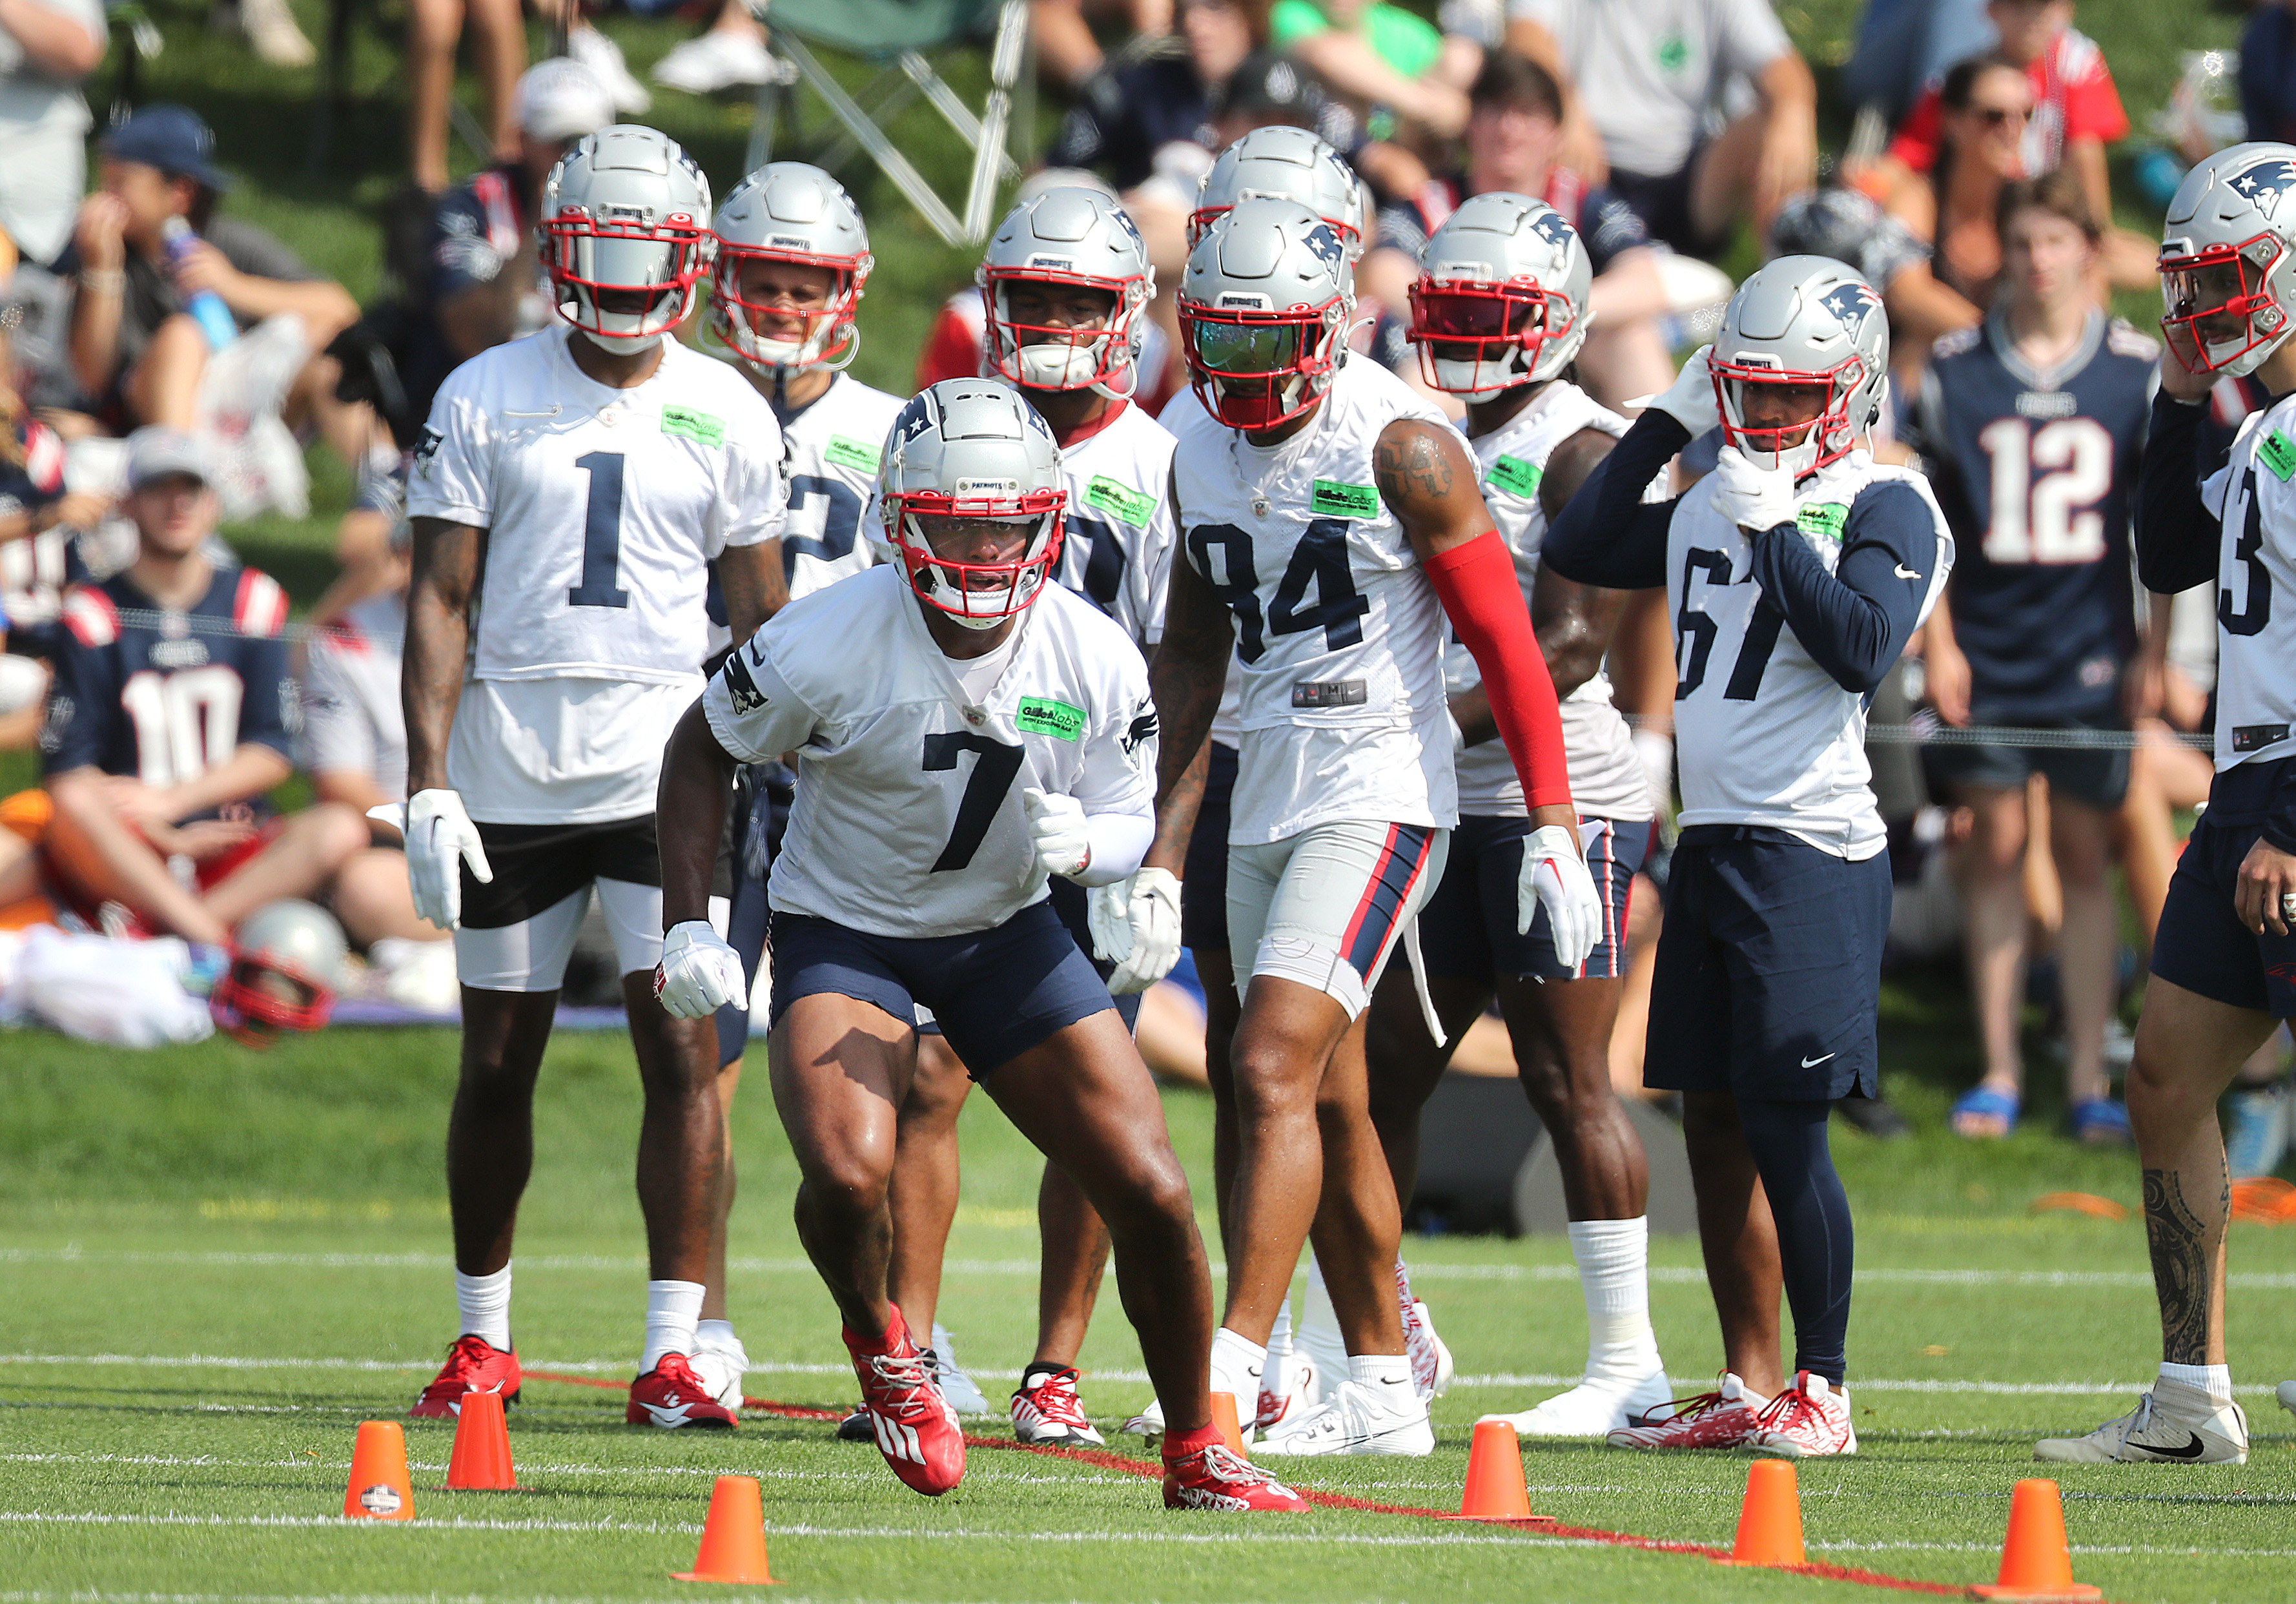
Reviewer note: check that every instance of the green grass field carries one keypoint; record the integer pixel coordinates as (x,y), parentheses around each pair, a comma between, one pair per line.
(217,1263)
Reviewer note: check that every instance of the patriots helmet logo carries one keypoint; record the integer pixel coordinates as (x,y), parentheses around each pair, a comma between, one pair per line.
(1550,226)
(1851,303)
(2264,185)
(1326,244)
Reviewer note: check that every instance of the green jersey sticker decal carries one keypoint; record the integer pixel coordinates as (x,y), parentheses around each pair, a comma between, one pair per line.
(851,454)
(2277,453)
(1135,507)
(1516,476)
(1041,715)
(695,425)
(1823,518)
(1336,500)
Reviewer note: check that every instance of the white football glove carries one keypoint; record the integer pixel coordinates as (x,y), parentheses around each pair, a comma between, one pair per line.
(1136,925)
(440,838)
(698,973)
(1057,832)
(1554,876)
(1752,497)
(1690,398)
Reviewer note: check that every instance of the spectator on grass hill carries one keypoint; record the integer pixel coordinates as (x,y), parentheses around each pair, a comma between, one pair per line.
(1986,101)
(498,51)
(1067,53)
(171,718)
(1128,115)
(1389,62)
(2267,71)
(1649,74)
(47,48)
(137,352)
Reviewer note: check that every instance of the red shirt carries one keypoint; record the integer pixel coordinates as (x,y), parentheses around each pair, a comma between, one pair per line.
(2073,98)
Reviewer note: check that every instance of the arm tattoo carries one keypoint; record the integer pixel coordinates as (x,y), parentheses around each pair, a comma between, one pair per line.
(1413,465)
(2183,1266)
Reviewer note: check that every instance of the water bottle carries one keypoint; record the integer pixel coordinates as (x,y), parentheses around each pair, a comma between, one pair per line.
(207,308)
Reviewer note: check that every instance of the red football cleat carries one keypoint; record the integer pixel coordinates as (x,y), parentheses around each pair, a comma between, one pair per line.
(916,1430)
(670,1395)
(472,1365)
(1048,1409)
(1214,1478)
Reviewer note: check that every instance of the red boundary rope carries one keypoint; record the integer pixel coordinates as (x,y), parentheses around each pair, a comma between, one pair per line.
(1103,1461)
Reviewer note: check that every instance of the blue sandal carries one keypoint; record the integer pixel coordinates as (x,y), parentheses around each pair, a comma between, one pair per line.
(2102,1123)
(1985,1103)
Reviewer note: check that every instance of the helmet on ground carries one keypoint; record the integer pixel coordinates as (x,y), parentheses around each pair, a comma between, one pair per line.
(1264,309)
(1801,321)
(1501,299)
(787,211)
(1081,239)
(1286,163)
(972,450)
(286,966)
(2228,258)
(625,233)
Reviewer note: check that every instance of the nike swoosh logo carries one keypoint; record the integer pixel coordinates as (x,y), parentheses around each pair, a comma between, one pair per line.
(2191,1449)
(1814,1063)
(1905,572)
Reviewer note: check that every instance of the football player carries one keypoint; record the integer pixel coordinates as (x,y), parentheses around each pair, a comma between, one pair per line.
(583,480)
(1331,521)
(2223,966)
(965,730)
(2034,423)
(1796,573)
(1499,313)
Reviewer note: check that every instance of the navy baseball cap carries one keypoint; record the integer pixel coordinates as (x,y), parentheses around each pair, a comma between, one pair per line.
(172,138)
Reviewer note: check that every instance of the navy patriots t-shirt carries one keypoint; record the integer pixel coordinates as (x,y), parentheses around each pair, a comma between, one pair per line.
(166,695)
(2036,473)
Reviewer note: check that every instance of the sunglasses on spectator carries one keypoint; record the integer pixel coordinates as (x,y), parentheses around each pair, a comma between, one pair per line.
(1999,117)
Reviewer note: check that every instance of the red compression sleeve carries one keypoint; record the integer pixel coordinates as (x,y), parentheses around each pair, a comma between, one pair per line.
(1476,584)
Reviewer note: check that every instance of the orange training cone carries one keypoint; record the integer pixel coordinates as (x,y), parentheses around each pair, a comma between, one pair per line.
(481,1458)
(379,1489)
(1495,1489)
(1230,1429)
(2035,1561)
(1769,1524)
(733,1536)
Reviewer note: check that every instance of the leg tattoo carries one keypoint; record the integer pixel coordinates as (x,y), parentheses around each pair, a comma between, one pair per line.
(2182,1268)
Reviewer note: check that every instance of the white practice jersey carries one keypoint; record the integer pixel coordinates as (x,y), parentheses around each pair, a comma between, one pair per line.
(909,819)
(352,719)
(831,449)
(1117,549)
(1763,735)
(1227,723)
(1338,630)
(2256,590)
(1607,779)
(603,510)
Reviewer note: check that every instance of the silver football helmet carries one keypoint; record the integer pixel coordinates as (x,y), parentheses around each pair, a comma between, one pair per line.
(625,235)
(1290,164)
(1801,321)
(1264,309)
(971,451)
(2228,258)
(286,966)
(1501,299)
(787,211)
(1077,237)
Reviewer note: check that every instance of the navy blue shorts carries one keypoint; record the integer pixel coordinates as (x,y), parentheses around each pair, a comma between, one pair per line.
(1467,930)
(1770,969)
(2202,944)
(2097,776)
(996,993)
(1203,884)
(1073,903)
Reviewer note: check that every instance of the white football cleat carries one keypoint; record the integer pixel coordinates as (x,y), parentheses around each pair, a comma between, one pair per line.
(963,1396)
(1356,1421)
(720,1365)
(1149,1423)
(1593,1409)
(1288,1388)
(1810,1419)
(2171,1425)
(1046,1409)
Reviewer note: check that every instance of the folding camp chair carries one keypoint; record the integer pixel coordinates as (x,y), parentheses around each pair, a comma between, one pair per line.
(898,33)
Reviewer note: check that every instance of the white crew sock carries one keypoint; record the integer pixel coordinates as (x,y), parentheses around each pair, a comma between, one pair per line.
(484,1301)
(1613,1259)
(1316,1333)
(1387,1377)
(2214,1380)
(1236,1368)
(715,1333)
(673,1311)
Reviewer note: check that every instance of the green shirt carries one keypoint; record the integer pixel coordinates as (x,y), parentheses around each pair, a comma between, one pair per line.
(1405,41)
